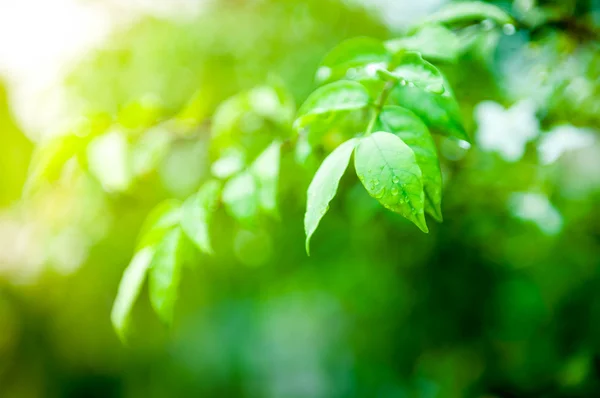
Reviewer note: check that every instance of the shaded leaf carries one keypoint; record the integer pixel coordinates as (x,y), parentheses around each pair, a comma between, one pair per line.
(324,185)
(406,125)
(129,290)
(196,214)
(165,275)
(439,112)
(388,169)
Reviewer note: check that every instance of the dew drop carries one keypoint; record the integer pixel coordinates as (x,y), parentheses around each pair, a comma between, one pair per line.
(403,82)
(395,180)
(394,191)
(509,29)
(379,194)
(487,24)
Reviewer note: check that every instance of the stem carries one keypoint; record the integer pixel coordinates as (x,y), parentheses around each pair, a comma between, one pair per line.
(379,105)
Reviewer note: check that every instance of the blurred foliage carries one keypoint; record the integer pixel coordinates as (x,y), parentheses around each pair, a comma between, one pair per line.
(501,299)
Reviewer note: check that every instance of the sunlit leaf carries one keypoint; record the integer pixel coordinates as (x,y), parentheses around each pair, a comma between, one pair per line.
(142,113)
(388,169)
(50,158)
(253,118)
(412,69)
(161,219)
(324,186)
(329,104)
(415,134)
(469,11)
(129,290)
(434,42)
(240,197)
(265,170)
(165,274)
(353,58)
(196,214)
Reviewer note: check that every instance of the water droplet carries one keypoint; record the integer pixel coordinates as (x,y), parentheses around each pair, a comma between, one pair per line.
(394,191)
(509,29)
(411,84)
(323,73)
(487,24)
(395,180)
(403,82)
(379,194)
(376,182)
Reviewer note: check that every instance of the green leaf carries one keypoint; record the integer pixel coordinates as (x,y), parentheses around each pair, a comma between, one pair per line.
(240,197)
(406,125)
(353,58)
(265,170)
(327,105)
(50,158)
(439,112)
(324,185)
(252,119)
(412,69)
(165,274)
(129,290)
(435,42)
(388,169)
(161,219)
(469,11)
(196,214)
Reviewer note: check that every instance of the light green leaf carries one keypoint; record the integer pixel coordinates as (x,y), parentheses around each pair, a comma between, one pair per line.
(161,219)
(252,119)
(439,112)
(240,197)
(469,11)
(49,159)
(329,104)
(406,125)
(435,42)
(388,169)
(165,274)
(324,186)
(196,214)
(129,290)
(352,59)
(265,170)
(412,69)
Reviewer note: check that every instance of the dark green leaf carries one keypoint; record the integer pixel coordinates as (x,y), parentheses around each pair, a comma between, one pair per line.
(265,170)
(388,169)
(415,134)
(434,42)
(469,11)
(129,290)
(324,186)
(439,112)
(165,274)
(196,215)
(240,197)
(352,59)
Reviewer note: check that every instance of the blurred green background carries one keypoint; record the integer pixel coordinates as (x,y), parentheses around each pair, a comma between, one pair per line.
(500,300)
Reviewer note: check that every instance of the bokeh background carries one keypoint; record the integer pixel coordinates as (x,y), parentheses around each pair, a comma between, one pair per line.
(500,300)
